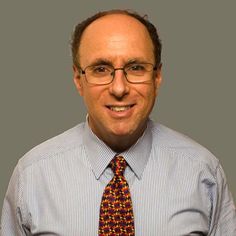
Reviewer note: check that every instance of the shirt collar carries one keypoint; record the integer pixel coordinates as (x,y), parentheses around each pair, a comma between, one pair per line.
(100,155)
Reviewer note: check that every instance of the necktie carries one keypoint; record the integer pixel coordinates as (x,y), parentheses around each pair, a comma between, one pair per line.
(116,213)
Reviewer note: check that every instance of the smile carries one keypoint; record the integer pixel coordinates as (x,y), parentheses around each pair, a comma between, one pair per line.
(120,108)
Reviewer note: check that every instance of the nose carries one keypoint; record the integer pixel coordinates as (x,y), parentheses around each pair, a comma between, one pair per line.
(119,86)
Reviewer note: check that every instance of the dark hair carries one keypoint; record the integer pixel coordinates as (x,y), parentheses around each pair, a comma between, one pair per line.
(79,29)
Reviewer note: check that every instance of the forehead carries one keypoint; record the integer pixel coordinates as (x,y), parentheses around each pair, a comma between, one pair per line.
(115,32)
(121,21)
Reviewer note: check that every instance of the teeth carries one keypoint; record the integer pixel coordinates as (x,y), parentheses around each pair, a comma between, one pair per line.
(124,108)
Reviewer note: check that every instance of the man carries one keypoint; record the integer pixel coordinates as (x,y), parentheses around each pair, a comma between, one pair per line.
(118,173)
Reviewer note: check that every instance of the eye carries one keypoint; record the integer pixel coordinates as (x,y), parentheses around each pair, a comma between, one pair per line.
(101,70)
(136,67)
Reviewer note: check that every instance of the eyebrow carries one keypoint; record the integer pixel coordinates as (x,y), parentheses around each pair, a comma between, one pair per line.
(103,61)
(135,60)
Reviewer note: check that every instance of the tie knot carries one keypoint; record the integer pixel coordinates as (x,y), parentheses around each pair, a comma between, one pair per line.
(118,165)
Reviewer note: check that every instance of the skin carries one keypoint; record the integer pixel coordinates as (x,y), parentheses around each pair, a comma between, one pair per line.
(118,39)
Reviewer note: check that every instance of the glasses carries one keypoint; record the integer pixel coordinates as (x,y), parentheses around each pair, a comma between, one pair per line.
(104,74)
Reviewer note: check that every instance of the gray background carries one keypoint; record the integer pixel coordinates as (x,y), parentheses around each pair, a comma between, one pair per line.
(38,98)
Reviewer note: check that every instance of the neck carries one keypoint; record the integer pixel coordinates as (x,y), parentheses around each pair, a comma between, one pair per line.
(122,143)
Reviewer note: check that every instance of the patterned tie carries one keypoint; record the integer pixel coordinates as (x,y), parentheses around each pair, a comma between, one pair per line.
(116,213)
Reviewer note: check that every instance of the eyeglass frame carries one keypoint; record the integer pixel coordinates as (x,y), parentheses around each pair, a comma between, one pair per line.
(83,71)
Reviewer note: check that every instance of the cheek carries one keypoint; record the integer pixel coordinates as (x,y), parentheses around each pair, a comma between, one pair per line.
(149,100)
(89,101)
(92,97)
(148,94)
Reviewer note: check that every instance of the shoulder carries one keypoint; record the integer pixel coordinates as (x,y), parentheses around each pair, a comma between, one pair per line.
(52,147)
(181,146)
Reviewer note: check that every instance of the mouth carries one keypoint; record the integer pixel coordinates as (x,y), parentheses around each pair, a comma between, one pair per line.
(120,108)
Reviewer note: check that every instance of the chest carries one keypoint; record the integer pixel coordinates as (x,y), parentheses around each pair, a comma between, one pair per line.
(161,207)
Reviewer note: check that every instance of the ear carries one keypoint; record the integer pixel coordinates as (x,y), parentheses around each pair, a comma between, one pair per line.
(77,80)
(158,77)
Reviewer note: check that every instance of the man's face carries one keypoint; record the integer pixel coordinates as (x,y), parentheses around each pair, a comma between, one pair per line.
(119,109)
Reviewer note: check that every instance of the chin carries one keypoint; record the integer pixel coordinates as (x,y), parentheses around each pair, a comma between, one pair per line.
(124,131)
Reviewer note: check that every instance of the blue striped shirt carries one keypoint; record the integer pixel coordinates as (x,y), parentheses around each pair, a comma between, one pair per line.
(177,187)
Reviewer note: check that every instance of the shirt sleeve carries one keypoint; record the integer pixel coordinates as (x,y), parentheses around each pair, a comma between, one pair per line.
(11,220)
(224,215)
